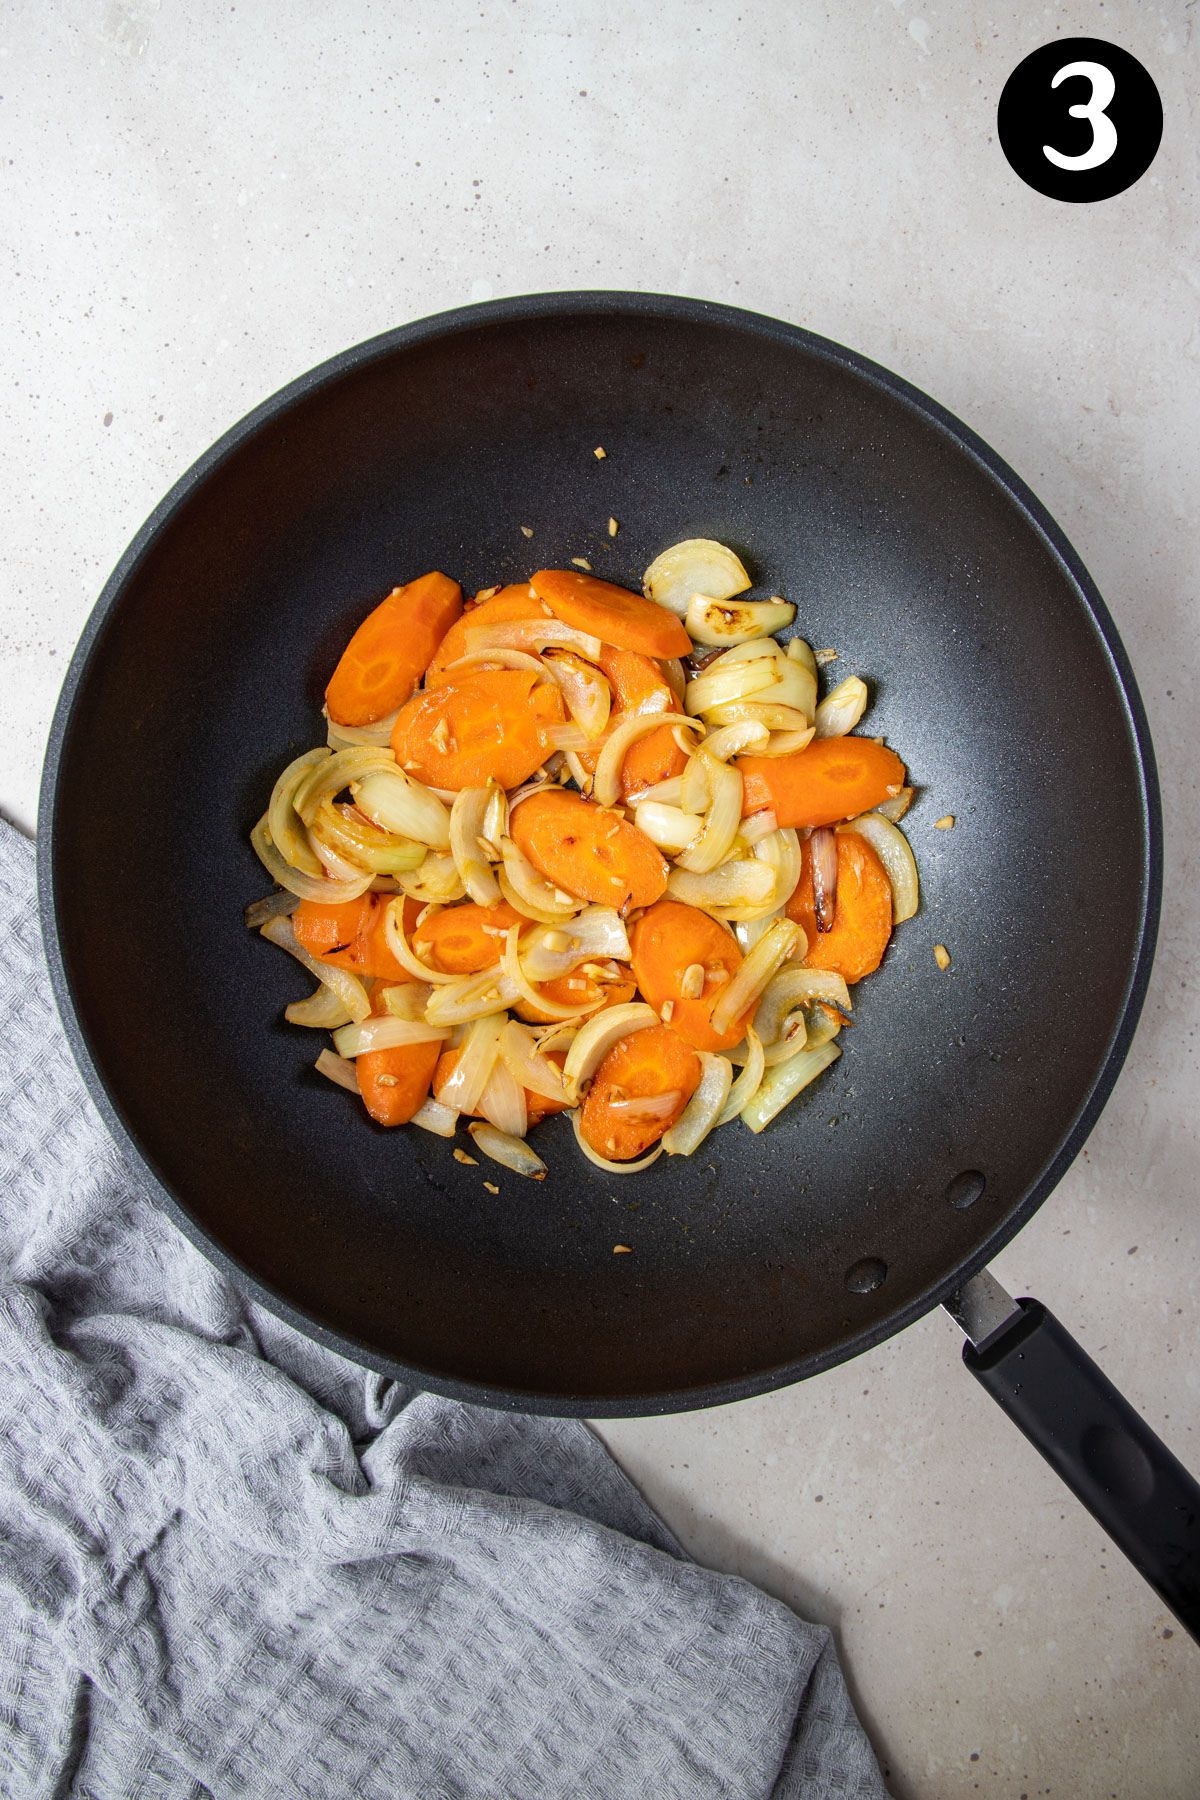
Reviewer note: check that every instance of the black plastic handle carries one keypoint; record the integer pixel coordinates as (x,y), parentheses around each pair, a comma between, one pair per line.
(1105,1452)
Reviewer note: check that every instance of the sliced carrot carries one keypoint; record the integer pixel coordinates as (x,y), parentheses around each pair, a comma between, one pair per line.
(394,1082)
(639,686)
(465,939)
(384,660)
(588,850)
(646,1063)
(834,778)
(667,940)
(510,604)
(353,935)
(862,919)
(577,990)
(611,613)
(487,722)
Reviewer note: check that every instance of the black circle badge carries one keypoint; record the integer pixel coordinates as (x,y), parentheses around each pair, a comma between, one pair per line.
(1080,120)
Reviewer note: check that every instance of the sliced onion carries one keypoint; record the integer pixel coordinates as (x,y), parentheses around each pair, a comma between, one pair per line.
(597,933)
(337,771)
(558,1036)
(694,566)
(758,826)
(772,949)
(502,1101)
(780,851)
(704,1108)
(668,827)
(467,817)
(639,1107)
(823,848)
(747,1083)
(775,717)
(279,905)
(395,802)
(532,635)
(793,989)
(404,999)
(538,785)
(606,783)
(736,740)
(567,737)
(361,843)
(821,1025)
(782,1083)
(786,743)
(338,1069)
(471,997)
(594,1040)
(800,651)
(748,930)
(842,708)
(535,1072)
(602,1162)
(495,820)
(286,830)
(795,1038)
(322,1011)
(674,675)
(511,1152)
(892,848)
(477,1053)
(336,866)
(734,885)
(397,942)
(431,1115)
(526,890)
(495,659)
(896,805)
(693,786)
(731,621)
(664,793)
(305,887)
(437,881)
(724,816)
(384,1034)
(347,988)
(587,694)
(523,989)
(347,737)
(575,769)
(722,682)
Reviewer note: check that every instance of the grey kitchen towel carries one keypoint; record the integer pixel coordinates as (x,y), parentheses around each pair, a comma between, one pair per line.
(233,1563)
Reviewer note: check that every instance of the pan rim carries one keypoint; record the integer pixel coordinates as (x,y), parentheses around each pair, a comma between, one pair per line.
(565,305)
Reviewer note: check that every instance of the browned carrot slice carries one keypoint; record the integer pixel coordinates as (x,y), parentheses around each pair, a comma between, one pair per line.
(510,604)
(485,723)
(351,935)
(668,940)
(588,851)
(645,1064)
(384,660)
(833,779)
(862,921)
(611,613)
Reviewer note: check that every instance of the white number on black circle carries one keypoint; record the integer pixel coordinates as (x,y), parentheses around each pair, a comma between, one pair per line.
(1104,132)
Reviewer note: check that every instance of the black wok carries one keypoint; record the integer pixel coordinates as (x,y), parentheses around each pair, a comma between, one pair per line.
(960,1098)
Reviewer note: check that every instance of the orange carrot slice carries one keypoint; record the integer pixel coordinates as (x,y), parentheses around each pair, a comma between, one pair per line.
(588,851)
(862,920)
(639,686)
(352,935)
(576,990)
(465,939)
(483,723)
(394,1082)
(671,938)
(384,660)
(833,779)
(611,613)
(647,1063)
(511,603)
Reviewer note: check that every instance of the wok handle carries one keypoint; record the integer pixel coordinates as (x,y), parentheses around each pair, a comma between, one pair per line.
(1105,1452)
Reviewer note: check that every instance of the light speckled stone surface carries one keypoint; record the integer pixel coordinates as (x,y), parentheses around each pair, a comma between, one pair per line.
(200,202)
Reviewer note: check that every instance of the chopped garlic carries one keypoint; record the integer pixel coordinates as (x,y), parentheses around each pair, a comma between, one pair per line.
(461,1156)
(599,453)
(581,562)
(613,528)
(941,956)
(946,823)
(527,531)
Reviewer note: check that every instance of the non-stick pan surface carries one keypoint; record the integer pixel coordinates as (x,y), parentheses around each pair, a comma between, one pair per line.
(960,1097)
